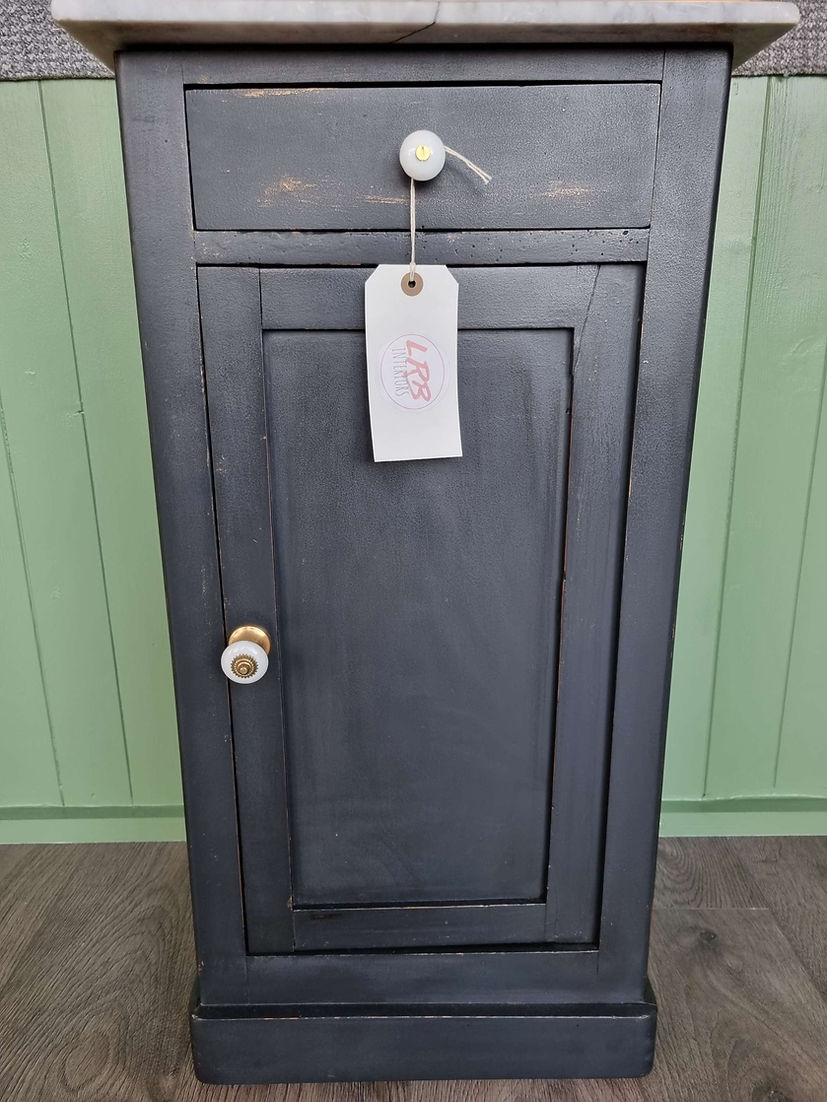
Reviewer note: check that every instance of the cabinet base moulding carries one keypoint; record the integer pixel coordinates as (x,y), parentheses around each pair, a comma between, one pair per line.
(345,1043)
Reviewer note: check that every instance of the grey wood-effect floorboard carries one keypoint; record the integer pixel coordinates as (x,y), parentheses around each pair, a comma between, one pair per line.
(742,1020)
(791,874)
(703,872)
(30,879)
(96,965)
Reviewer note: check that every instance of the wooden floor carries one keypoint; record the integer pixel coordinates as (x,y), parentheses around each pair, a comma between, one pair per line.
(96,964)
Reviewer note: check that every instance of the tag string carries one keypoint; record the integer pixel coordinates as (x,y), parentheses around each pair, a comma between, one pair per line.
(483,175)
(411,276)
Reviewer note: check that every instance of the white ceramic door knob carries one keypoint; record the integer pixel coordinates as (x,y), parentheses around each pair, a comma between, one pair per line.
(422,155)
(244,659)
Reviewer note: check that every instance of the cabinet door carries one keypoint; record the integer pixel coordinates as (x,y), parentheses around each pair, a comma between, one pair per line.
(425,761)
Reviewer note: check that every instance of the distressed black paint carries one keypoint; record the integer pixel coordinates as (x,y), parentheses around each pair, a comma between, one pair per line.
(320,157)
(600,330)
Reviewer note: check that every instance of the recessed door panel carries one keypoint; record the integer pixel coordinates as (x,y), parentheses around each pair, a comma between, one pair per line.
(419,615)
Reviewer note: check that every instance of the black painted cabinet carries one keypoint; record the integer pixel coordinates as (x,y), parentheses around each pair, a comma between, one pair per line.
(422,845)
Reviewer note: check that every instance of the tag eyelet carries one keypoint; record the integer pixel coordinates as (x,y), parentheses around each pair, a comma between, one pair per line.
(411,288)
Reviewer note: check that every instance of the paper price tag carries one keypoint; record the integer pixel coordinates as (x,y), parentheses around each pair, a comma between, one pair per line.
(412,364)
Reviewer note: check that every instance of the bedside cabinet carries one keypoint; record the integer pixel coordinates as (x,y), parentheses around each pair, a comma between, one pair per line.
(422,811)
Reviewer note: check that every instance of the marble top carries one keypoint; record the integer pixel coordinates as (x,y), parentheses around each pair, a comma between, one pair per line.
(106,26)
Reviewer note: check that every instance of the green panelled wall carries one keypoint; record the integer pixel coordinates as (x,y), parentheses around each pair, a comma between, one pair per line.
(87,728)
(86,702)
(747,744)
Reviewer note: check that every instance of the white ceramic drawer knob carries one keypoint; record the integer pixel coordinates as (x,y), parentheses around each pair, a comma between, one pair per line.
(244,659)
(422,155)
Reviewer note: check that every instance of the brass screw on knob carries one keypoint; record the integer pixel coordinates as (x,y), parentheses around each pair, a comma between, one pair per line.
(244,666)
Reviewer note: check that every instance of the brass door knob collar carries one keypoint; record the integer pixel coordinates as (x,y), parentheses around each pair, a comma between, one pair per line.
(249,633)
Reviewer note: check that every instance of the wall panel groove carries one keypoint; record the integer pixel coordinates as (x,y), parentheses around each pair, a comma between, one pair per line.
(46,442)
(775,445)
(56,138)
(742,364)
(30,773)
(82,124)
(713,453)
(798,575)
(801,766)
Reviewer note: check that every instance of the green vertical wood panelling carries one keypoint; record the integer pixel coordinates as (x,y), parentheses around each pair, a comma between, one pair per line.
(27,766)
(47,445)
(81,571)
(802,757)
(85,152)
(713,453)
(776,441)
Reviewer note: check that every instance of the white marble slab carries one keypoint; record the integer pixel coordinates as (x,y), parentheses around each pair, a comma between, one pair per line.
(106,26)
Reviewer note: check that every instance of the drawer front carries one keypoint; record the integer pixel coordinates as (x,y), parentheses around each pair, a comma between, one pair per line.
(326,158)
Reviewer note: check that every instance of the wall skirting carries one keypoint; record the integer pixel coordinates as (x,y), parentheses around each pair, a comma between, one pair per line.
(679,818)
(91,824)
(743,816)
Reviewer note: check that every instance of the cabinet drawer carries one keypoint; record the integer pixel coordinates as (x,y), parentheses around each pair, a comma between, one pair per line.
(326,158)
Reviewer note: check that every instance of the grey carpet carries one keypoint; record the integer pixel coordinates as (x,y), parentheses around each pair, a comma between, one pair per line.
(33,46)
(803,50)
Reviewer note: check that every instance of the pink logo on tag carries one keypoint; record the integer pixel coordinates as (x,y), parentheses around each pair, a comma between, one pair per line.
(412,371)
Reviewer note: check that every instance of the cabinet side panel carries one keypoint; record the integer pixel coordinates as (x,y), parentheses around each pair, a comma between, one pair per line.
(686,185)
(152,116)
